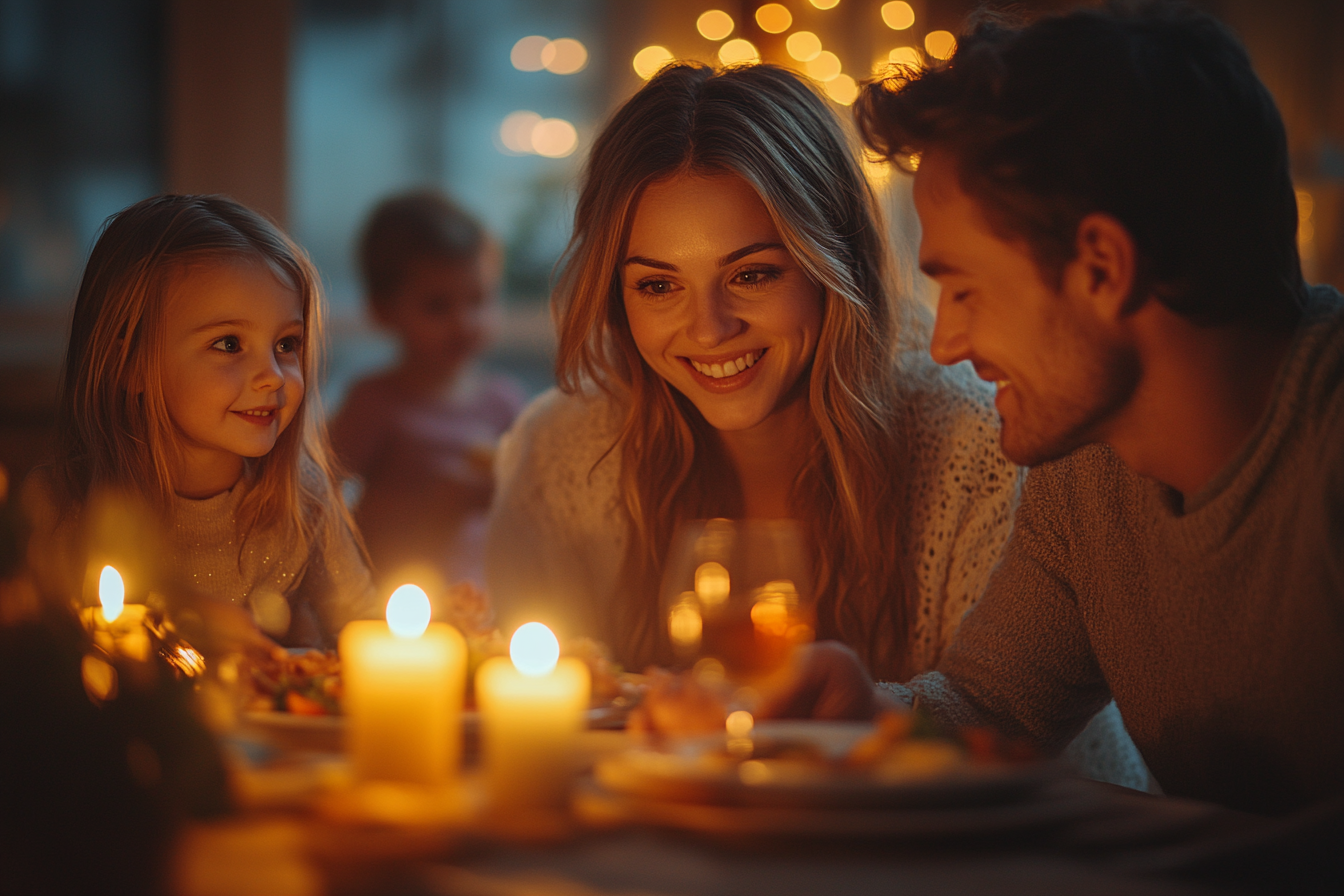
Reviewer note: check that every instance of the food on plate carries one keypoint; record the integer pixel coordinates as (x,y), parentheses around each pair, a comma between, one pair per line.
(303,684)
(309,683)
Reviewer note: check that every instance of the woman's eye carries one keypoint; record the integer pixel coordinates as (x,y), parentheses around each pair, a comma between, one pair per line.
(288,345)
(654,287)
(757,276)
(230,344)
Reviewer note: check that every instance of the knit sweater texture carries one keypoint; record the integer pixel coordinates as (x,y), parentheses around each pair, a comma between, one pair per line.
(322,588)
(559,530)
(1216,624)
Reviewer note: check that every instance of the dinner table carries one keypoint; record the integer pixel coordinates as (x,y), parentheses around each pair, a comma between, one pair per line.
(302,826)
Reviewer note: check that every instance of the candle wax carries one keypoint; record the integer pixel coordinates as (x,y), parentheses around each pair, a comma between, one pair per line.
(403,701)
(529,730)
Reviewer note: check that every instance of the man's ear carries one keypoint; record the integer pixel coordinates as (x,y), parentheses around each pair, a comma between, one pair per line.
(1104,270)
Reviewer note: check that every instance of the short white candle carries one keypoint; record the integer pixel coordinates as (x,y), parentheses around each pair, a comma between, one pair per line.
(403,683)
(117,627)
(532,710)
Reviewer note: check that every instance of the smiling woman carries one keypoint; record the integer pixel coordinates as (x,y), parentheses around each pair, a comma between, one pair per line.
(730,346)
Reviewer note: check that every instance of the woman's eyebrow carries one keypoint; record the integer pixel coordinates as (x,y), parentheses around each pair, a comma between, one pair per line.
(747,250)
(649,263)
(725,260)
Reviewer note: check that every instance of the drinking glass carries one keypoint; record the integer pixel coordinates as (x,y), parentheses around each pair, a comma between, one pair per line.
(739,593)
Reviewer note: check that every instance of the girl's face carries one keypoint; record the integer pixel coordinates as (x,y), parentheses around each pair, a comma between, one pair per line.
(233,368)
(717,306)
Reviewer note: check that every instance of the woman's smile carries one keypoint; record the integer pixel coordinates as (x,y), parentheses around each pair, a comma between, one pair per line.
(717,305)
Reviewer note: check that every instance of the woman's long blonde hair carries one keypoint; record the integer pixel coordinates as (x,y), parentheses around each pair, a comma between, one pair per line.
(114,430)
(770,128)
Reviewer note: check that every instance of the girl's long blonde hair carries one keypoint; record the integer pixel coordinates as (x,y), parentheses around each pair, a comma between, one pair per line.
(770,128)
(114,430)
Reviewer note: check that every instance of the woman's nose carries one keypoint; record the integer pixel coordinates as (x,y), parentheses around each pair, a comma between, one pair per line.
(713,319)
(951,333)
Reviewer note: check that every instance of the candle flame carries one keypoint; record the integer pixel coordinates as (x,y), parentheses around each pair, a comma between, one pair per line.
(534,649)
(408,611)
(112,593)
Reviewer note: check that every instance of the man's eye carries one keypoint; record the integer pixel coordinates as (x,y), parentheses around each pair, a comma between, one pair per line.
(230,344)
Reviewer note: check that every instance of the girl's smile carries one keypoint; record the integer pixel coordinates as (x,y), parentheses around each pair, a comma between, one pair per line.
(232,368)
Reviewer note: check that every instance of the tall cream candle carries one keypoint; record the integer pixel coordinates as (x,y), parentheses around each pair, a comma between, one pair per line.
(403,683)
(532,710)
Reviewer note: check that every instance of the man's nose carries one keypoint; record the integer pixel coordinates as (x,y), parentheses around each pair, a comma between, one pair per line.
(713,319)
(951,340)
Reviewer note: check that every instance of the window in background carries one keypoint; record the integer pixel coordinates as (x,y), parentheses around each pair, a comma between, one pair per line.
(80,118)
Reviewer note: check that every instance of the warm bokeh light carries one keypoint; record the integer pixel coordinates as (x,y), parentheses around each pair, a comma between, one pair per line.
(564,56)
(684,624)
(408,611)
(1306,228)
(770,616)
(825,66)
(803,45)
(898,15)
(554,138)
(907,56)
(534,649)
(825,4)
(843,89)
(940,44)
(516,130)
(714,24)
(774,18)
(912,160)
(738,51)
(712,584)
(649,60)
(111,593)
(526,53)
(739,723)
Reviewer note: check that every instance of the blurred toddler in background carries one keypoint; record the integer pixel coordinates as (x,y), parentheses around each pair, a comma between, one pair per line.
(421,435)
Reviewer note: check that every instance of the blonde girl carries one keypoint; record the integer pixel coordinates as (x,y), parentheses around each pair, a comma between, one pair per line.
(189,385)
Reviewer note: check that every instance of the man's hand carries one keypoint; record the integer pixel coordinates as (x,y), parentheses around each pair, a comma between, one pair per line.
(829,681)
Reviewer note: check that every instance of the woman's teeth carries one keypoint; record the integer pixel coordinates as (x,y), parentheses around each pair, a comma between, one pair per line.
(258,413)
(727,368)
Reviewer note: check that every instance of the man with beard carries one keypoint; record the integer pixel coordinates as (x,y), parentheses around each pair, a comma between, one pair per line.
(1108,214)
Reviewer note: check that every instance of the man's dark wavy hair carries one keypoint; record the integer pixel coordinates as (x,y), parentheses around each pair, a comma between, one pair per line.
(1148,112)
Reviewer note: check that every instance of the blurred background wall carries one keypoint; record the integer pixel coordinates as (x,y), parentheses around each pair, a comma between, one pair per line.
(311,110)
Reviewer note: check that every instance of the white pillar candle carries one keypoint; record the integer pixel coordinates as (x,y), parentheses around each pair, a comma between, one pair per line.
(403,681)
(532,710)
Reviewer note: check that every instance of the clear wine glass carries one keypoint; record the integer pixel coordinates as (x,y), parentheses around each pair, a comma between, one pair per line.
(738,593)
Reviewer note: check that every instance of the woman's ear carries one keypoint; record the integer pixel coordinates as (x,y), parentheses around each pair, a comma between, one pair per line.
(1103,272)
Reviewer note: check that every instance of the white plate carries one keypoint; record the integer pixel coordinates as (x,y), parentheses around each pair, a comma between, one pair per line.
(325,733)
(698,771)
(1050,807)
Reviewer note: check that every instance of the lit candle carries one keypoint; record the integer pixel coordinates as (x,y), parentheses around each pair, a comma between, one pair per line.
(403,684)
(532,708)
(117,627)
